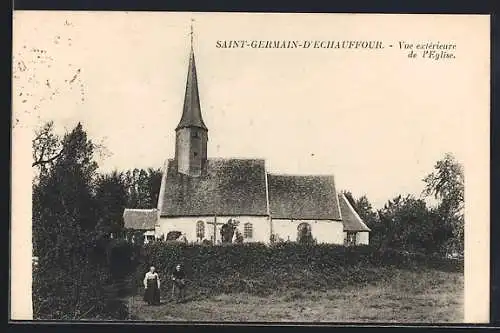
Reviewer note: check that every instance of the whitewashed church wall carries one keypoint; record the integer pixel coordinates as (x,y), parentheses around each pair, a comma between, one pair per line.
(325,231)
(176,224)
(363,238)
(331,232)
(260,226)
(187,226)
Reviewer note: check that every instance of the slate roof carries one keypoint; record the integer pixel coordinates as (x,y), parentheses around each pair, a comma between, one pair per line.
(351,220)
(191,113)
(303,197)
(228,187)
(140,219)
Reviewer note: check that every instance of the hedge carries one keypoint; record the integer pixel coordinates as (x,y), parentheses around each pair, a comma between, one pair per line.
(259,269)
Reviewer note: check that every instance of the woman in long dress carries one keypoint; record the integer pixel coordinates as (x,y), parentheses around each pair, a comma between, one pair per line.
(152,287)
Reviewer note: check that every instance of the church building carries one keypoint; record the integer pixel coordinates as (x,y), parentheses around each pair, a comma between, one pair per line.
(198,194)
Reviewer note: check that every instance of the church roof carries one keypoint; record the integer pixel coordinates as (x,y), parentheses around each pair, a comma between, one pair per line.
(140,219)
(303,197)
(191,113)
(351,220)
(228,187)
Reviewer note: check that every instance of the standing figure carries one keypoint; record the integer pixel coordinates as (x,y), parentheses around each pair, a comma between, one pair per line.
(152,287)
(179,283)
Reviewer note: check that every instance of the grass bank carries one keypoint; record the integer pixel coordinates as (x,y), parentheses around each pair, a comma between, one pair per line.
(259,270)
(403,295)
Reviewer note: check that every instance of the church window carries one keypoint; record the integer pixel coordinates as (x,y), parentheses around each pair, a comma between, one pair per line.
(248,230)
(304,234)
(195,135)
(195,154)
(200,229)
(351,238)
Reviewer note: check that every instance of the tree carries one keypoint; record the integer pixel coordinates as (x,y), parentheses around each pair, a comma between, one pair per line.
(71,280)
(446,184)
(365,210)
(350,198)
(363,207)
(67,188)
(143,187)
(154,184)
(408,225)
(111,199)
(46,147)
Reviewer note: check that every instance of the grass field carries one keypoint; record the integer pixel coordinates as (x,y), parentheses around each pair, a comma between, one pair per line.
(412,297)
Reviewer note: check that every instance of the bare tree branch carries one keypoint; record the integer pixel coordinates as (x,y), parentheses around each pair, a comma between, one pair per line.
(49,160)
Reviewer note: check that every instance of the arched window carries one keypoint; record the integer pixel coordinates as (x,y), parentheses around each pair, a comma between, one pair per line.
(200,229)
(248,230)
(304,234)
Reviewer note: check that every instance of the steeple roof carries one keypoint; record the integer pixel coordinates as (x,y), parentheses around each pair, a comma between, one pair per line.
(191,113)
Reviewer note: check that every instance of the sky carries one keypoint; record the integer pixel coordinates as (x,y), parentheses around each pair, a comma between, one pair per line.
(375,119)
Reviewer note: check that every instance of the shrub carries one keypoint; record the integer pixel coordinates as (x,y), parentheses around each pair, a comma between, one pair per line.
(239,237)
(85,293)
(259,269)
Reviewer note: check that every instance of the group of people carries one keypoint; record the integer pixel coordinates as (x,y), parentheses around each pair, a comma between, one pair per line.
(152,285)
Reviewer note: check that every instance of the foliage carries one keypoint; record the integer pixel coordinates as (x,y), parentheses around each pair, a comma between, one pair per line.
(259,269)
(408,223)
(364,208)
(46,147)
(366,211)
(115,191)
(111,199)
(72,279)
(238,237)
(350,197)
(143,187)
(411,226)
(81,272)
(446,184)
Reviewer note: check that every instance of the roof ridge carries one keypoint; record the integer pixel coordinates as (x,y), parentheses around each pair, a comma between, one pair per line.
(354,212)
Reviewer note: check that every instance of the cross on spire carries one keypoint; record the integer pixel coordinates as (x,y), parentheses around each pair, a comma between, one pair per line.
(191,32)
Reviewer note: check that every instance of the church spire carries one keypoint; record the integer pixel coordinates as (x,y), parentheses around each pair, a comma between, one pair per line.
(191,113)
(191,135)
